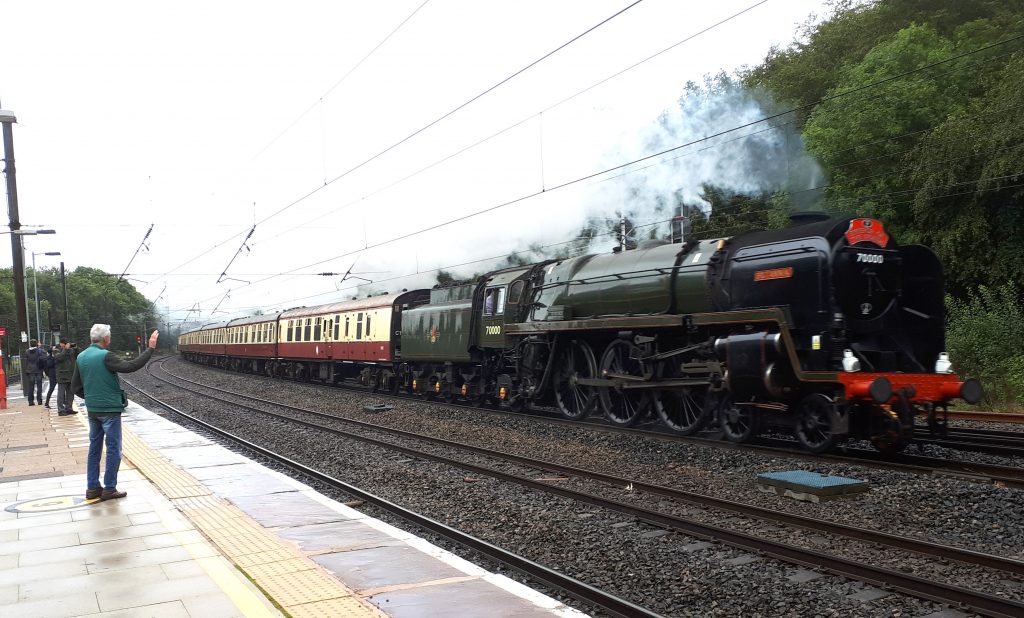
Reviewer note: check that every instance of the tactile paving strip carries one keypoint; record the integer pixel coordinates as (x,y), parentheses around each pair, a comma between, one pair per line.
(296,583)
(332,608)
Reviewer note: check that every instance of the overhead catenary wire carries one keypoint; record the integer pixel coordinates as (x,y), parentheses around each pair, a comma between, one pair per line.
(704,139)
(714,232)
(340,80)
(830,97)
(428,125)
(641,159)
(523,121)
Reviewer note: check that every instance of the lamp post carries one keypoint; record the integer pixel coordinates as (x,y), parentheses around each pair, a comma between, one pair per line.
(35,287)
(7,119)
(20,283)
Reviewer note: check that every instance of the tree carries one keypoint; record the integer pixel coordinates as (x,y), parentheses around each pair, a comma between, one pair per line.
(93,297)
(970,201)
(933,153)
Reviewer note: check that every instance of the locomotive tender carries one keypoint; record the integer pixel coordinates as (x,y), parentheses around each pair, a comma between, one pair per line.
(827,328)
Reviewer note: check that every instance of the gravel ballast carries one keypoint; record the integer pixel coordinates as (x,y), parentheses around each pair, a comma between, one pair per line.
(668,572)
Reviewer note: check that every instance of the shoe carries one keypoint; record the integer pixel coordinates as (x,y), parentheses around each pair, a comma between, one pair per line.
(65,413)
(112,494)
(93,493)
(46,405)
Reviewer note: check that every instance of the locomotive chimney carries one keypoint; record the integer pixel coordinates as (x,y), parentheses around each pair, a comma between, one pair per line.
(807,216)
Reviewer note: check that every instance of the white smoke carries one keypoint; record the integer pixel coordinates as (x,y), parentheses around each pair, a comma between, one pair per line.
(716,136)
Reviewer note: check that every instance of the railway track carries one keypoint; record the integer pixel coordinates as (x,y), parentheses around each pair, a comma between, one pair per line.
(994,417)
(610,603)
(1001,475)
(993,442)
(937,591)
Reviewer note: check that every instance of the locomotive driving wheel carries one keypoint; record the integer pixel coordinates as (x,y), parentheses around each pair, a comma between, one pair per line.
(685,410)
(738,423)
(575,361)
(814,423)
(624,407)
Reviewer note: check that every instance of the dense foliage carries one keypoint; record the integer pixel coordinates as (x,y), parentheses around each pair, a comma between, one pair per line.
(986,333)
(93,297)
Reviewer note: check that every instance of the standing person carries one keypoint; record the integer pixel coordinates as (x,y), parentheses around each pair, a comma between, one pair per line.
(65,358)
(95,379)
(50,368)
(30,360)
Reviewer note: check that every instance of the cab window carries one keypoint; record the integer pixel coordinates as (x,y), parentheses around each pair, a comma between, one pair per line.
(516,291)
(494,301)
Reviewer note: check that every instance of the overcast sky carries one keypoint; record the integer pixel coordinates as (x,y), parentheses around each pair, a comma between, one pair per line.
(205,118)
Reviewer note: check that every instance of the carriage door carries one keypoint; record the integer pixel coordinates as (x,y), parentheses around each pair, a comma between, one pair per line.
(493,322)
(329,336)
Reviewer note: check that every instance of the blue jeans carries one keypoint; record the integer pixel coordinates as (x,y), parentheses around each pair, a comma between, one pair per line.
(101,425)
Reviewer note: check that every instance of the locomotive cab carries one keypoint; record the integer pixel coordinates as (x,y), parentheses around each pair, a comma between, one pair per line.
(502,300)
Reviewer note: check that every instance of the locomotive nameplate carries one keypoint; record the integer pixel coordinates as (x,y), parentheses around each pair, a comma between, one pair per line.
(774,273)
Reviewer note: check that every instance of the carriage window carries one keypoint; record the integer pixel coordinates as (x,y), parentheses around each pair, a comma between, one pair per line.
(289,331)
(516,291)
(367,325)
(337,326)
(346,325)
(309,330)
(359,326)
(317,329)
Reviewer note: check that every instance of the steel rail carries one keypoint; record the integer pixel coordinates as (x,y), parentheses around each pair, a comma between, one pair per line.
(1003,476)
(549,577)
(886,578)
(861,534)
(995,417)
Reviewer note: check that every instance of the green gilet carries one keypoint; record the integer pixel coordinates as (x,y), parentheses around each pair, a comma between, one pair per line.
(103,394)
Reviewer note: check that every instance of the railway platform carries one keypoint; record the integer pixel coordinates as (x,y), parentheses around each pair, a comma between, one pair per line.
(207,532)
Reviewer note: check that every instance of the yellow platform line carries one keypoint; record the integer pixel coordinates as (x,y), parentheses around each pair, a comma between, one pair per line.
(296,584)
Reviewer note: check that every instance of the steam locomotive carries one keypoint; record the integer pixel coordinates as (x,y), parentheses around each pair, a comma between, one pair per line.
(827,329)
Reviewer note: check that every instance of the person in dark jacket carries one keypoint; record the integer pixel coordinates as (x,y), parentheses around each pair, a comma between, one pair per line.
(95,379)
(65,358)
(50,369)
(34,372)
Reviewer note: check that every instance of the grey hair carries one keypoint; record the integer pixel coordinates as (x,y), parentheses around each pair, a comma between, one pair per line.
(99,332)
